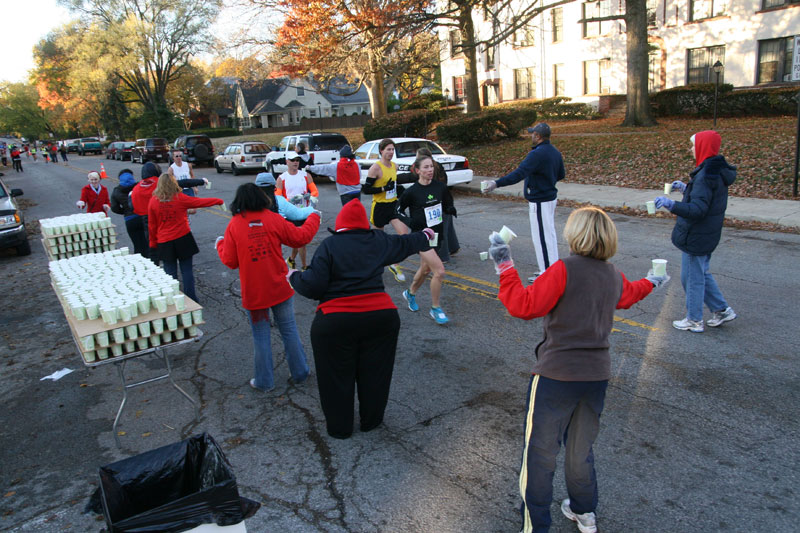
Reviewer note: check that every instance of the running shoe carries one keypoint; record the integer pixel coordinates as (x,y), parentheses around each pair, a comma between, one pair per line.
(587,523)
(720,317)
(411,299)
(438,315)
(290,262)
(688,325)
(397,273)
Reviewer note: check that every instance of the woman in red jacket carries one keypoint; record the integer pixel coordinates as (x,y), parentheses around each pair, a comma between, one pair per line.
(169,229)
(252,243)
(94,197)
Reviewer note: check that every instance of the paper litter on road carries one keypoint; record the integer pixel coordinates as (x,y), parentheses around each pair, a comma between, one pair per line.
(55,376)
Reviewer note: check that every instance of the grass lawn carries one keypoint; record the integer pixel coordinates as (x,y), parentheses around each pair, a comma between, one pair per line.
(602,152)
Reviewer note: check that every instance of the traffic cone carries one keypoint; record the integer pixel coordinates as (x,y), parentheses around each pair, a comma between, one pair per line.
(103,174)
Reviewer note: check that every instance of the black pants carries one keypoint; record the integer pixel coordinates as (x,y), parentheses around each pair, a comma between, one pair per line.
(136,232)
(354,349)
(17,164)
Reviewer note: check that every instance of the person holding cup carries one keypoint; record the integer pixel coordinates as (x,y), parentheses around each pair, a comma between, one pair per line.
(94,196)
(698,229)
(355,329)
(427,202)
(577,297)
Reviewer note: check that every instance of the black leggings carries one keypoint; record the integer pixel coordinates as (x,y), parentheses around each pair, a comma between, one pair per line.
(354,349)
(138,235)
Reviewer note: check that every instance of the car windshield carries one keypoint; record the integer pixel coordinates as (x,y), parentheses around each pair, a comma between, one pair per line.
(157,142)
(128,144)
(256,148)
(90,140)
(327,142)
(409,148)
(3,193)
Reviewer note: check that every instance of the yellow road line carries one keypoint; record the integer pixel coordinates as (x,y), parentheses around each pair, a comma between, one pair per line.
(474,290)
(633,323)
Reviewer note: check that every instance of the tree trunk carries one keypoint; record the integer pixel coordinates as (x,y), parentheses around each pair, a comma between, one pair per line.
(467,27)
(375,88)
(637,112)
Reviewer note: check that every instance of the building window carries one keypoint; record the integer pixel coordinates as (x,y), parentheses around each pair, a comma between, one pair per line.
(602,8)
(595,76)
(524,83)
(489,57)
(778,3)
(455,43)
(458,89)
(312,113)
(704,9)
(301,91)
(701,60)
(558,80)
(524,37)
(652,13)
(654,71)
(558,24)
(775,60)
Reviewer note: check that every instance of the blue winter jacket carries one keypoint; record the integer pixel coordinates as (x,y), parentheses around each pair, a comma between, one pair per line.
(541,169)
(702,211)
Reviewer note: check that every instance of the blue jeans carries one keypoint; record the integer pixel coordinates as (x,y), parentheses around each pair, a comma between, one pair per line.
(700,286)
(295,354)
(171,268)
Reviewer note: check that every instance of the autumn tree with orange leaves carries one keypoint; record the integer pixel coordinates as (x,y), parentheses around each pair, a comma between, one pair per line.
(328,39)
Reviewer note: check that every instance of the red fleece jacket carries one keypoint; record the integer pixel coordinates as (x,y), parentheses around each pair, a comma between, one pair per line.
(141,194)
(252,243)
(94,201)
(167,221)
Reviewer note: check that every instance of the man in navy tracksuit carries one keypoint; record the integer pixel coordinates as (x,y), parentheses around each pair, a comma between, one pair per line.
(541,169)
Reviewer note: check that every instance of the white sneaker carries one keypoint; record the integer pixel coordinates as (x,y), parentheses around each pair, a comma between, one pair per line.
(587,523)
(720,317)
(688,325)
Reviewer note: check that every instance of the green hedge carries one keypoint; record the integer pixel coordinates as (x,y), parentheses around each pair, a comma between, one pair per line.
(558,107)
(432,101)
(411,123)
(698,100)
(214,133)
(480,128)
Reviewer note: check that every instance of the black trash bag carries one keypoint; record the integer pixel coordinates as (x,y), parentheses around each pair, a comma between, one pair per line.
(172,489)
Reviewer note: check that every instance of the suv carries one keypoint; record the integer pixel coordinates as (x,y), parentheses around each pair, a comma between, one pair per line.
(323,147)
(196,149)
(73,145)
(90,144)
(12,224)
(242,156)
(151,149)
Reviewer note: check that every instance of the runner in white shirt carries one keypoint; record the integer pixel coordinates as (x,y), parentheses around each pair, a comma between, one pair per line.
(297,187)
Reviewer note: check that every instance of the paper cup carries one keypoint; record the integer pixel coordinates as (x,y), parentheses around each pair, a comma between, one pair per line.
(87,342)
(92,311)
(102,339)
(208,184)
(484,185)
(186,319)
(89,356)
(124,313)
(507,234)
(143,304)
(157,326)
(161,304)
(660,267)
(484,256)
(180,334)
(131,332)
(192,331)
(142,343)
(433,242)
(130,346)
(116,350)
(109,315)
(155,340)
(166,336)
(78,311)
(180,302)
(119,335)
(667,188)
(172,322)
(651,207)
(102,353)
(197,316)
(144,329)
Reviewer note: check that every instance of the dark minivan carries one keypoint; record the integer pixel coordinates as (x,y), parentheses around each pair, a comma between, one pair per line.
(150,149)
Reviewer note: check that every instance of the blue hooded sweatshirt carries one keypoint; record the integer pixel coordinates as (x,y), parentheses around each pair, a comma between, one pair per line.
(120,196)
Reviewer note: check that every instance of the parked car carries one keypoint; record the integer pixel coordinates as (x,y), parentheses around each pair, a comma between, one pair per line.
(90,144)
(323,147)
(405,152)
(150,149)
(12,224)
(242,156)
(196,149)
(73,145)
(123,152)
(111,150)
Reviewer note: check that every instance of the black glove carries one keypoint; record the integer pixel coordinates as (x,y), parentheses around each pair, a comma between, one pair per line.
(154,256)
(389,186)
(451,211)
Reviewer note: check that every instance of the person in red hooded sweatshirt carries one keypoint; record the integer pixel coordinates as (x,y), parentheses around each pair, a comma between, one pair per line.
(345,172)
(252,243)
(698,230)
(170,237)
(94,196)
(354,333)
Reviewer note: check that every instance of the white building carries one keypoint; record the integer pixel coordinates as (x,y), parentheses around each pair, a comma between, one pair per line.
(556,55)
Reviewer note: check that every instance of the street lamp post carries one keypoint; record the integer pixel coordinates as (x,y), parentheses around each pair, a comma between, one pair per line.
(319,106)
(717,71)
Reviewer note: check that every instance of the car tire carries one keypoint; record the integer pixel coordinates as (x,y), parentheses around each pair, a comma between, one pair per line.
(24,248)
(216,165)
(200,152)
(234,169)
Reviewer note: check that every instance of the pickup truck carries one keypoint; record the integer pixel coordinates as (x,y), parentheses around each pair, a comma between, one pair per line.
(90,144)
(323,147)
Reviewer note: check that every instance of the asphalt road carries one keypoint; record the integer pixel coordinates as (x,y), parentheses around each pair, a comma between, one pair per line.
(699,431)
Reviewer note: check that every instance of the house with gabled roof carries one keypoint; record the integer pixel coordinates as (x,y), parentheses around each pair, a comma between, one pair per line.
(279,102)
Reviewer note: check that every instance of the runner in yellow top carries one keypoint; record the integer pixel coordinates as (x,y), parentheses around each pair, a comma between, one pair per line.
(381,183)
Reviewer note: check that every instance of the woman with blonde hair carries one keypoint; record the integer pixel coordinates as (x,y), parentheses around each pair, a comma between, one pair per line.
(577,297)
(170,235)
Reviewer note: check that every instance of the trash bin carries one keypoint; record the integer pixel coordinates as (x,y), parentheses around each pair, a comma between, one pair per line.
(172,489)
